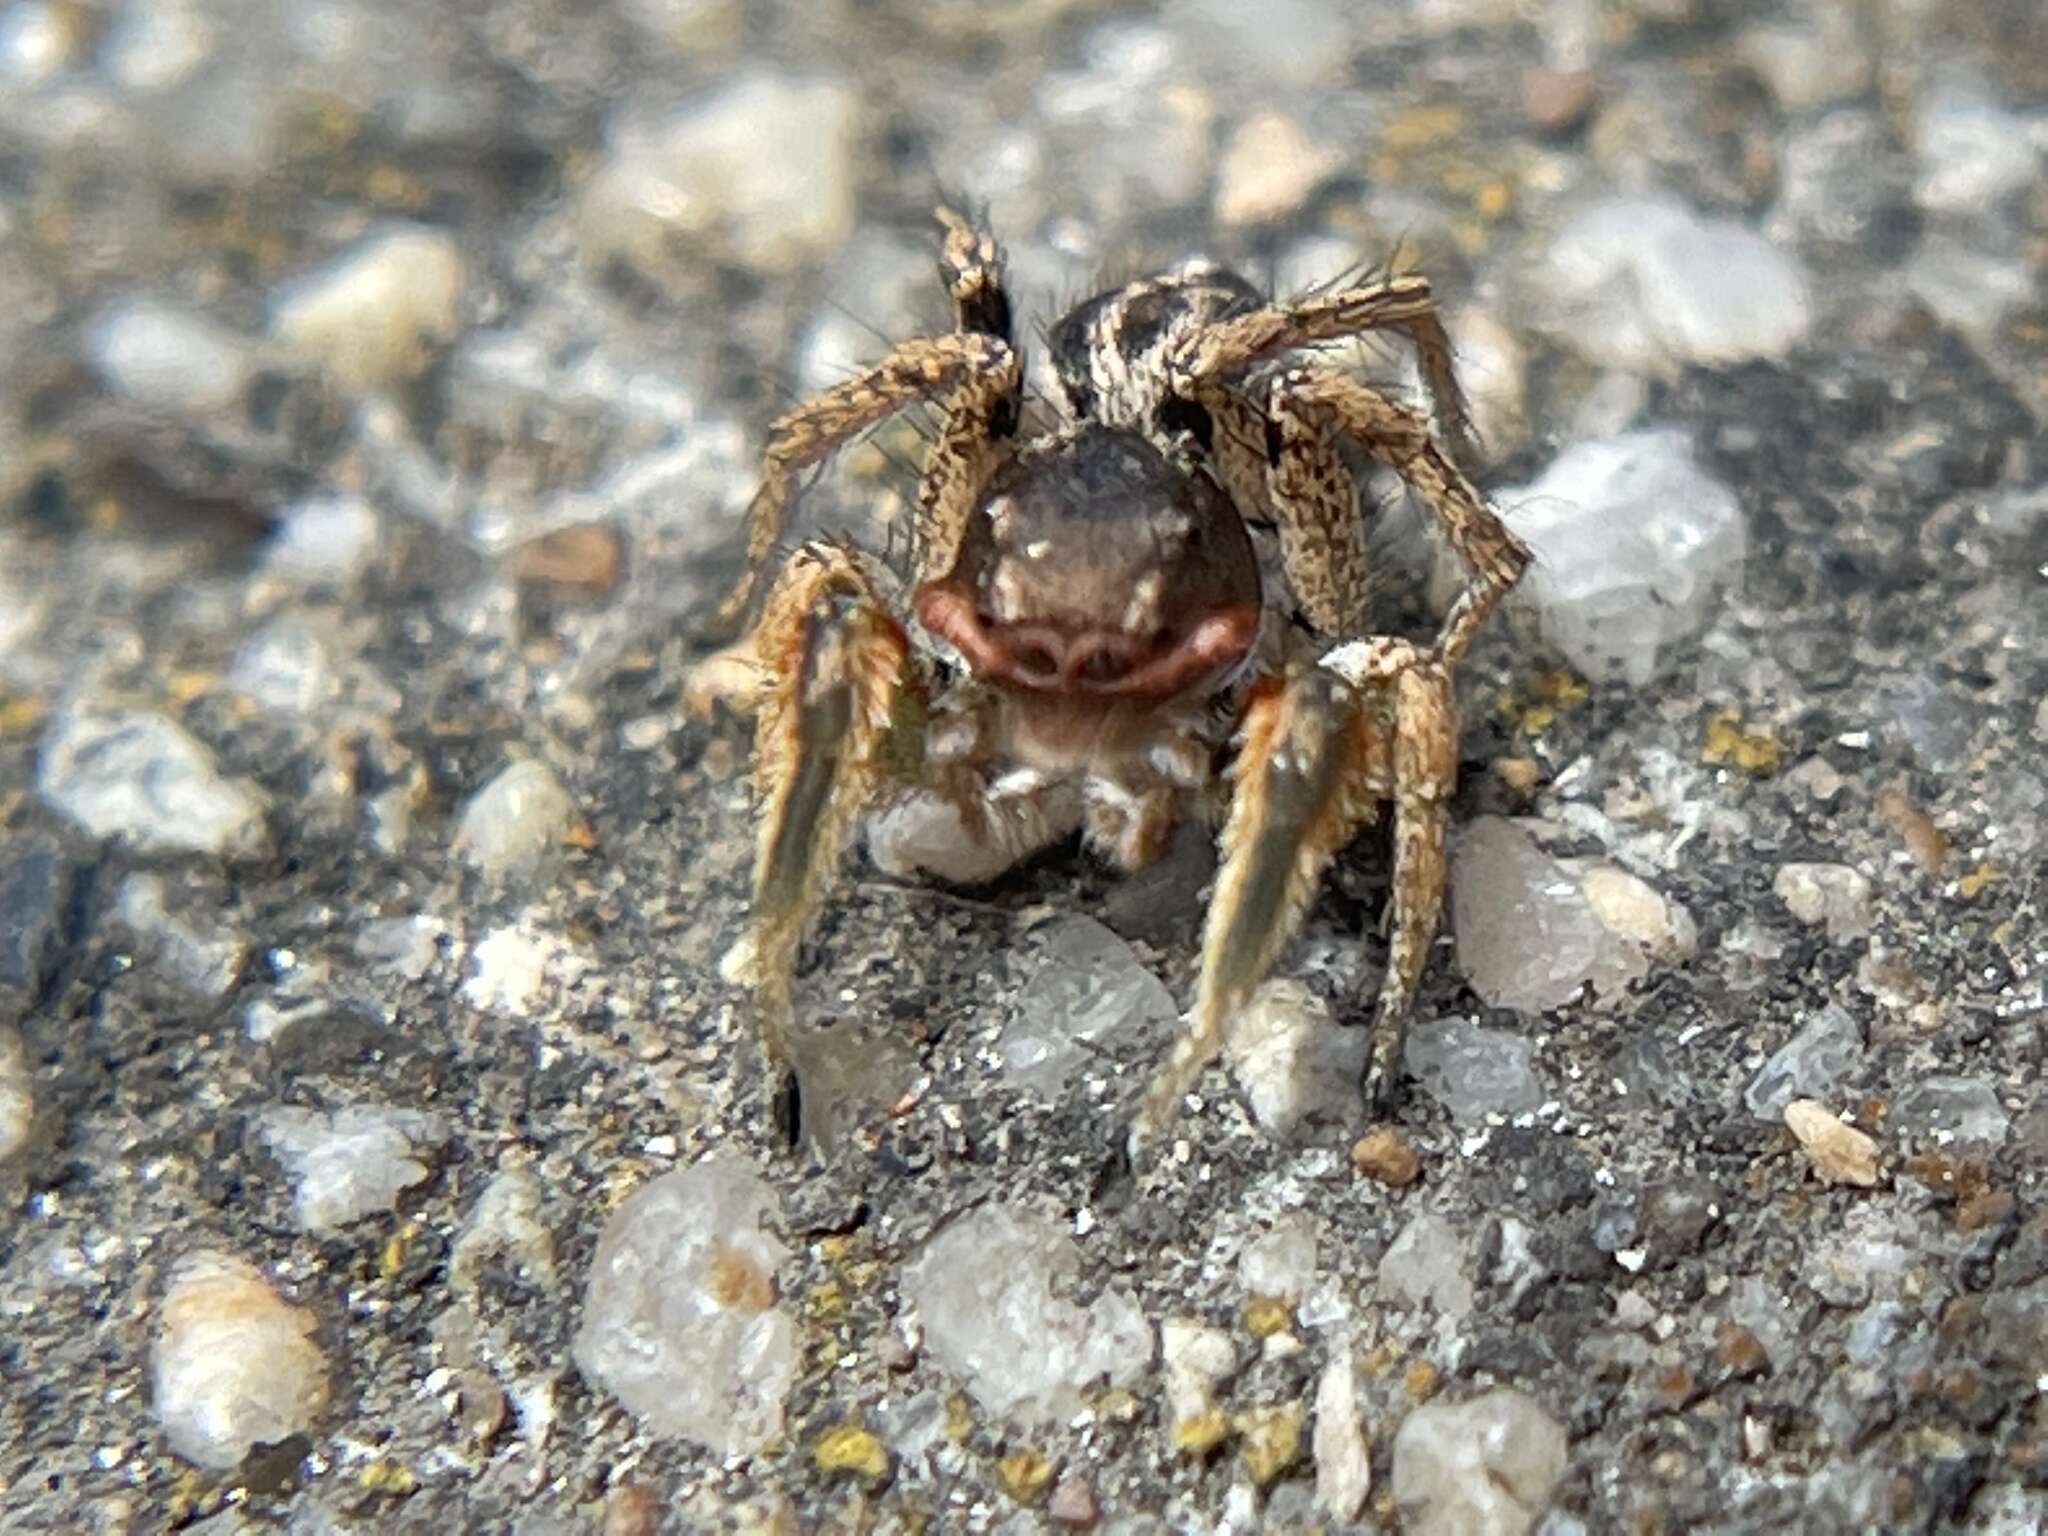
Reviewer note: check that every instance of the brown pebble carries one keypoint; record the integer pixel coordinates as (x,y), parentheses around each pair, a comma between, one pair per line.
(1840,1153)
(1521,774)
(584,556)
(1921,836)
(1740,1352)
(1987,1208)
(1556,100)
(1961,1178)
(1421,1380)
(631,1509)
(1072,1504)
(1382,1154)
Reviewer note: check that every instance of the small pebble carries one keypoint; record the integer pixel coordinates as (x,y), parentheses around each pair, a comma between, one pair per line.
(1916,829)
(233,1365)
(1382,1154)
(1472,1071)
(17,1093)
(584,557)
(377,315)
(1637,910)
(1072,1504)
(989,1291)
(141,777)
(1425,1265)
(1556,100)
(168,359)
(515,821)
(1295,1066)
(680,1321)
(1343,1458)
(1833,895)
(761,169)
(1650,284)
(1485,1467)
(1812,1062)
(352,1163)
(1634,541)
(632,1509)
(1269,168)
(1841,1154)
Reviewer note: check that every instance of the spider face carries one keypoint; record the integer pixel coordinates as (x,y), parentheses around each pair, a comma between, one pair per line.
(1097,567)
(1091,587)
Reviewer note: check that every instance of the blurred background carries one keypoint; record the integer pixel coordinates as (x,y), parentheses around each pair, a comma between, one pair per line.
(381,386)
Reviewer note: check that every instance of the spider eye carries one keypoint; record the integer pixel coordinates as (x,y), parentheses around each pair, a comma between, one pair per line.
(1103,667)
(1036,659)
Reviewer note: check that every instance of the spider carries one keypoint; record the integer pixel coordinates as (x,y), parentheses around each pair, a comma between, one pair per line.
(1086,628)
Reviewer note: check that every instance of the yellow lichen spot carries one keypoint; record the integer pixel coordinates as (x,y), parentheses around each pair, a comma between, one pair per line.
(1117,1405)
(1200,1433)
(737,1281)
(1968,886)
(21,711)
(386,1476)
(183,686)
(1420,127)
(104,515)
(853,1449)
(391,187)
(825,1300)
(581,835)
(1728,740)
(1265,1316)
(1379,1360)
(391,1257)
(1024,1475)
(1271,1441)
(959,1418)
(1420,1380)
(835,1249)
(1493,198)
(1534,707)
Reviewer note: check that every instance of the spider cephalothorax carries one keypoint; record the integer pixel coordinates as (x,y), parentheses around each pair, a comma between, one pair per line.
(1086,604)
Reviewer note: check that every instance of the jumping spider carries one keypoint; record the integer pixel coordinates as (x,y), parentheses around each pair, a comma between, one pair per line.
(1086,618)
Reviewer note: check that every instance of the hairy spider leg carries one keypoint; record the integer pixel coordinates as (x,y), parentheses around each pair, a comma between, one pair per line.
(1404,305)
(965,374)
(1321,400)
(1318,754)
(838,711)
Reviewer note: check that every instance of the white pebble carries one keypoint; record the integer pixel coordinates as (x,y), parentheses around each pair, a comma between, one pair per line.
(515,821)
(680,1321)
(167,358)
(17,1093)
(1343,1459)
(1292,1062)
(1633,543)
(376,315)
(762,167)
(350,1164)
(234,1366)
(1649,284)
(990,1293)
(139,776)
(1479,1468)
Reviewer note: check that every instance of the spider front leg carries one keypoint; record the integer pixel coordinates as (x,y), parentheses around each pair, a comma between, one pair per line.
(970,375)
(839,711)
(1317,755)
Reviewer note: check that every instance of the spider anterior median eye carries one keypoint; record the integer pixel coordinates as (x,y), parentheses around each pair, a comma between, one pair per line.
(1102,667)
(1036,658)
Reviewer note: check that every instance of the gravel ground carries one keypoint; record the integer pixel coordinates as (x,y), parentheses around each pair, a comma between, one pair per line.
(379,391)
